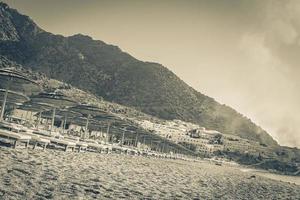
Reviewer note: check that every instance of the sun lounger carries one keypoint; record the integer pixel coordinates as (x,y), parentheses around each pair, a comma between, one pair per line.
(24,131)
(15,137)
(125,150)
(45,133)
(5,124)
(108,147)
(65,143)
(79,144)
(37,139)
(42,141)
(117,149)
(95,145)
(132,152)
(55,138)
(98,147)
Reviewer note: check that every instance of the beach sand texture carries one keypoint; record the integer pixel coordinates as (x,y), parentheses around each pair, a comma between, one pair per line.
(36,174)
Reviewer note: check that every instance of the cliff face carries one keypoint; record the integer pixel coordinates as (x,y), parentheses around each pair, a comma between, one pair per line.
(116,76)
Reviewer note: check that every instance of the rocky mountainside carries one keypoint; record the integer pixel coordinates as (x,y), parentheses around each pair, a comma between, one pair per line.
(107,71)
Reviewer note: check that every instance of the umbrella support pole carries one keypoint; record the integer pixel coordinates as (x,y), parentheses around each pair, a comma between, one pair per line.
(107,133)
(163,147)
(87,125)
(53,119)
(144,140)
(30,116)
(65,124)
(3,104)
(26,115)
(136,139)
(38,122)
(123,137)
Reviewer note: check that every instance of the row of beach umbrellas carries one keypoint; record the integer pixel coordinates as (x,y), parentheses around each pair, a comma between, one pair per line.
(19,91)
(17,88)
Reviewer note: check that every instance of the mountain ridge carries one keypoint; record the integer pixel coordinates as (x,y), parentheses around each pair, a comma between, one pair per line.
(107,71)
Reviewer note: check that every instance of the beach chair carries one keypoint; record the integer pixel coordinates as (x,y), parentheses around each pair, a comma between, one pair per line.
(15,137)
(117,149)
(42,141)
(98,147)
(22,130)
(37,140)
(61,142)
(79,144)
(106,148)
(54,138)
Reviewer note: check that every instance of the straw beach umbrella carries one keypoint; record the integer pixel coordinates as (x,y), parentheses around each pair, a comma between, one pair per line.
(66,115)
(56,100)
(13,80)
(36,107)
(89,112)
(11,98)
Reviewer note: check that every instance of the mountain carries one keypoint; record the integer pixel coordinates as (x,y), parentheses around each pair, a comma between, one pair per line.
(106,71)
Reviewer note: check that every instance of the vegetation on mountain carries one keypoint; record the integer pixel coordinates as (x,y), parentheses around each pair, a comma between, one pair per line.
(108,72)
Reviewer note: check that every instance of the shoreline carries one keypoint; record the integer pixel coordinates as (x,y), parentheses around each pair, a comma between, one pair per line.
(274,176)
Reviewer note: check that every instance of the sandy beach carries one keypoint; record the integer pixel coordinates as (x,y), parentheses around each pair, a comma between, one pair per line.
(52,174)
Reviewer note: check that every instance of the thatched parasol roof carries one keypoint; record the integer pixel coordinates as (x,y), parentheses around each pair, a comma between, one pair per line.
(55,99)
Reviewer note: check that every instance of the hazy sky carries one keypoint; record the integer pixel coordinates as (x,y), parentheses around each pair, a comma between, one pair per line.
(245,54)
